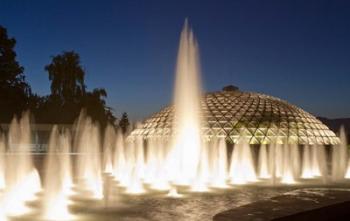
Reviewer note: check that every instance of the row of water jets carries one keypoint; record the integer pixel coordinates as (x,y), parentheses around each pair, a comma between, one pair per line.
(78,159)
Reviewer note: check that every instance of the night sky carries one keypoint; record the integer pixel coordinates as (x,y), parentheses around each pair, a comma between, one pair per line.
(297,50)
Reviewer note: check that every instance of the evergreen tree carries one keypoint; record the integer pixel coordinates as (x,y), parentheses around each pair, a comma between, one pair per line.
(124,122)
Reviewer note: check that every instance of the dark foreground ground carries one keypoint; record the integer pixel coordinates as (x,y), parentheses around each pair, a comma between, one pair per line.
(325,204)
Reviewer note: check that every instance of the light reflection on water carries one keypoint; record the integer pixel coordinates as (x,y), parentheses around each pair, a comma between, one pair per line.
(193,207)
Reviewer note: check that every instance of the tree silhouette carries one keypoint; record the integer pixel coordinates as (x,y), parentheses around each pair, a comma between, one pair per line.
(14,91)
(95,106)
(68,93)
(68,90)
(66,76)
(124,122)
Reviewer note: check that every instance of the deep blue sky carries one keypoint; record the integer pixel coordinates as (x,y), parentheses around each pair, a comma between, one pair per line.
(297,50)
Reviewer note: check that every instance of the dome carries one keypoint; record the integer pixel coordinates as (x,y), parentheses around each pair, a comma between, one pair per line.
(259,118)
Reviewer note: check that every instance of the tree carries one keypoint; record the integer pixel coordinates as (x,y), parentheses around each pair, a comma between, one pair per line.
(67,88)
(95,106)
(14,90)
(68,92)
(124,122)
(66,76)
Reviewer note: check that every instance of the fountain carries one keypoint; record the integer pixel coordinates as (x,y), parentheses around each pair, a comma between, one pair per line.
(264,171)
(242,169)
(340,158)
(57,185)
(218,162)
(185,153)
(22,180)
(119,158)
(135,156)
(88,167)
(108,145)
(2,162)
(85,168)
(307,163)
(288,174)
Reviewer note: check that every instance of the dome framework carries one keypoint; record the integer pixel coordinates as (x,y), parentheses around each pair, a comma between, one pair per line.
(257,118)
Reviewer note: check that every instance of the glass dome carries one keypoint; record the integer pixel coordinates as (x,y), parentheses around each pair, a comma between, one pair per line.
(259,118)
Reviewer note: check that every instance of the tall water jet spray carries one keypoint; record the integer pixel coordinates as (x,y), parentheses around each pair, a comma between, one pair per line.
(344,143)
(339,158)
(155,173)
(278,160)
(135,165)
(200,183)
(58,184)
(89,157)
(288,173)
(264,170)
(242,169)
(275,156)
(2,161)
(185,154)
(319,167)
(19,140)
(119,161)
(67,172)
(151,160)
(218,163)
(307,172)
(108,146)
(161,182)
(22,179)
(130,162)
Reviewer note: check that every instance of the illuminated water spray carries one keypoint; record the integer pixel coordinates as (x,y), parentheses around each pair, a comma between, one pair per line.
(22,180)
(340,158)
(2,162)
(185,154)
(58,184)
(88,166)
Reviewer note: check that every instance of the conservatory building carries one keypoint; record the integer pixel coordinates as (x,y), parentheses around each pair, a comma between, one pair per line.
(259,118)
